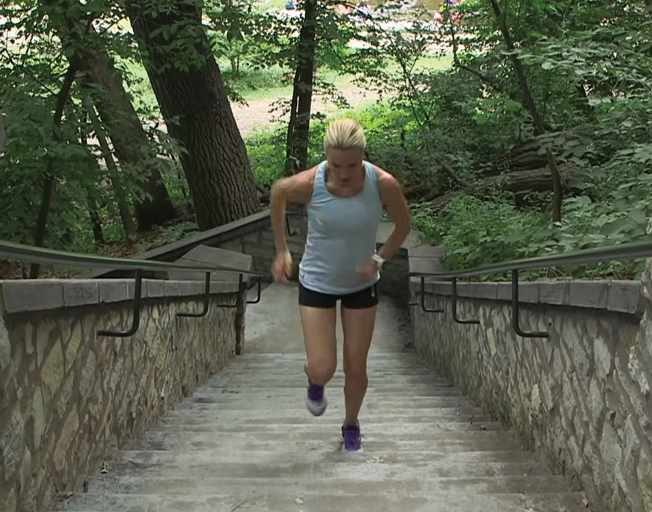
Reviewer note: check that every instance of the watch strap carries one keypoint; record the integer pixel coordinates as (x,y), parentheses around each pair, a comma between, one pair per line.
(379,260)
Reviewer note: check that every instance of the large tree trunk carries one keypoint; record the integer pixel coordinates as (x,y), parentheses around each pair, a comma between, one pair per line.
(299,127)
(72,23)
(114,174)
(129,139)
(197,112)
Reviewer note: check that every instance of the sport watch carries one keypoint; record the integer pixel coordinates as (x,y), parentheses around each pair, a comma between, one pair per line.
(379,261)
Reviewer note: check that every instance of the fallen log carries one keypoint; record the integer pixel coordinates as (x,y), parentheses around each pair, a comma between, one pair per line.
(519,182)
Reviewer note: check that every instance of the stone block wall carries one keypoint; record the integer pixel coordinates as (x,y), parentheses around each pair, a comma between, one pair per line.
(70,398)
(580,398)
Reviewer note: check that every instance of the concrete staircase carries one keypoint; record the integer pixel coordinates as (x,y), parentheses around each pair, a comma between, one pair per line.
(246,442)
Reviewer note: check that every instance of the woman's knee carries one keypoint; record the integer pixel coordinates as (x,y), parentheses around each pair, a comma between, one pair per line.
(354,368)
(321,370)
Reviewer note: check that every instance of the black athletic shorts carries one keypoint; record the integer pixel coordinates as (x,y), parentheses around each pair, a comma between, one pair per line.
(363,299)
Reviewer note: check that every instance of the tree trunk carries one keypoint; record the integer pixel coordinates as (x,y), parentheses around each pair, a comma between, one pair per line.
(537,120)
(72,23)
(114,175)
(129,139)
(2,134)
(299,127)
(91,201)
(48,186)
(96,221)
(197,112)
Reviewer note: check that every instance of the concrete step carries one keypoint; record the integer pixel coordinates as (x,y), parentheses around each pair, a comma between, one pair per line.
(130,459)
(248,417)
(158,440)
(294,500)
(298,399)
(268,467)
(375,382)
(316,429)
(341,479)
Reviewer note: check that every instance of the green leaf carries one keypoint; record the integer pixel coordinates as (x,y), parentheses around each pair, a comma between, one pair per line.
(616,226)
(638,216)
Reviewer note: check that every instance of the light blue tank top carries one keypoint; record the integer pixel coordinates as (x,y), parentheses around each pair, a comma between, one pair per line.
(341,235)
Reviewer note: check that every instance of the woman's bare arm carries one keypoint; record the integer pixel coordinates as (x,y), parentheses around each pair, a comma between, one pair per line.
(396,205)
(293,190)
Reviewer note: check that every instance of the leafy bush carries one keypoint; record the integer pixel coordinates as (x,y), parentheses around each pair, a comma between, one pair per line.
(266,150)
(477,232)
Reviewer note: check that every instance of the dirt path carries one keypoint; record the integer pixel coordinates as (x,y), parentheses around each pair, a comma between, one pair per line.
(266,112)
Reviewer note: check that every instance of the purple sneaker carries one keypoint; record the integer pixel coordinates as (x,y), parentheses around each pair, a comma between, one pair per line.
(351,440)
(316,400)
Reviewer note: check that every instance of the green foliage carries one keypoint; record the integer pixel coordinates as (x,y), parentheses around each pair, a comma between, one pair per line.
(266,150)
(438,127)
(477,232)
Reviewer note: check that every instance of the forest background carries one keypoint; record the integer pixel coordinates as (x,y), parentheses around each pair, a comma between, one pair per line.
(516,127)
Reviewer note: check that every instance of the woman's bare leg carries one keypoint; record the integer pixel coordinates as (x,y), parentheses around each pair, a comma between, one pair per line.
(358,326)
(321,353)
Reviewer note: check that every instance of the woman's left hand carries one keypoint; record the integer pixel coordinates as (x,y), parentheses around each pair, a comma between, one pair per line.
(368,270)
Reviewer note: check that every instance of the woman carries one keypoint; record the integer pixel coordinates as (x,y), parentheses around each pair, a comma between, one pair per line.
(345,198)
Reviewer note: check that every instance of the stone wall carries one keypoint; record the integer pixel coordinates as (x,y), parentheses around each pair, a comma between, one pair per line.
(70,398)
(580,399)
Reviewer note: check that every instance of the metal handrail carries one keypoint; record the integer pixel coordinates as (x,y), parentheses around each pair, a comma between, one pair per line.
(44,256)
(631,250)
(627,251)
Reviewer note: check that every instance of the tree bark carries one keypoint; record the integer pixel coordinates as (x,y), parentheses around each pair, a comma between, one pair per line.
(96,221)
(2,134)
(299,126)
(92,203)
(537,120)
(114,175)
(189,88)
(129,139)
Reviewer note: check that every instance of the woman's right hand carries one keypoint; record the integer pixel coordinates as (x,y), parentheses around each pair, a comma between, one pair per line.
(282,266)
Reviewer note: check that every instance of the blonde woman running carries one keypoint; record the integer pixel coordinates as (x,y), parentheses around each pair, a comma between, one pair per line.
(345,198)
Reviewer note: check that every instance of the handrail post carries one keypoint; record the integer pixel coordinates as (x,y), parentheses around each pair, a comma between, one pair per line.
(454,306)
(515,310)
(135,323)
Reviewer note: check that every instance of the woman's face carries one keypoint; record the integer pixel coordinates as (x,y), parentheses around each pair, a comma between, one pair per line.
(345,166)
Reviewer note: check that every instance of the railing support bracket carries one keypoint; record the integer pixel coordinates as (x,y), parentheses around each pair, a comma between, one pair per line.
(454,306)
(257,299)
(207,298)
(422,302)
(515,313)
(135,323)
(287,227)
